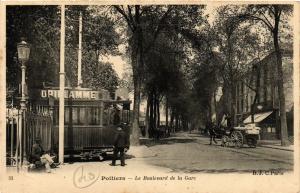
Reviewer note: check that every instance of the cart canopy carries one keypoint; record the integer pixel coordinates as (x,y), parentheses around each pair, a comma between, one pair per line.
(258,117)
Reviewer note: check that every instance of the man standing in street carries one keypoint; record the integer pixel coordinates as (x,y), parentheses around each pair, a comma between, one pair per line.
(121,142)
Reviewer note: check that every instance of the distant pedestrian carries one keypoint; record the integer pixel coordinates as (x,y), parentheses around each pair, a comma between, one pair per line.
(121,142)
(212,133)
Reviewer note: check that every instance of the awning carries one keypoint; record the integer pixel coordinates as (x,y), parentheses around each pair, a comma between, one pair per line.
(119,107)
(258,117)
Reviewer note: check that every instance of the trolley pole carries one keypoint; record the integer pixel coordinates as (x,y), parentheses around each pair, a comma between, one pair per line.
(79,81)
(62,86)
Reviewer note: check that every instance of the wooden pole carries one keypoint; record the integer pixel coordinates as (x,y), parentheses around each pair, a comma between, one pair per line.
(62,86)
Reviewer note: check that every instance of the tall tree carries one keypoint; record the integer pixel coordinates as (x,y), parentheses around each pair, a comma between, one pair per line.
(134,18)
(236,43)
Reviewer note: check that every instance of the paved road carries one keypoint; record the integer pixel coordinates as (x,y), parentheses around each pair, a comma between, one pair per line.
(183,154)
(192,153)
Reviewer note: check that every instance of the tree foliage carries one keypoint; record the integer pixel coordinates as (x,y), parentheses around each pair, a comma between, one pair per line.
(40,25)
(99,39)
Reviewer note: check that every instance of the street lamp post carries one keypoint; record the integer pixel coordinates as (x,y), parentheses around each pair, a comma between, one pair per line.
(23,56)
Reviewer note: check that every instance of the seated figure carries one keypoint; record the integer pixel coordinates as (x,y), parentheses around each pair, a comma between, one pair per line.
(39,157)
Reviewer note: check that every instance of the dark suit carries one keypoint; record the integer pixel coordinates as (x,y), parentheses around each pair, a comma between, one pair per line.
(37,152)
(212,133)
(120,143)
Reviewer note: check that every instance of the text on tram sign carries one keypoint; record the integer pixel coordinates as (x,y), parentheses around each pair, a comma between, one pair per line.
(75,94)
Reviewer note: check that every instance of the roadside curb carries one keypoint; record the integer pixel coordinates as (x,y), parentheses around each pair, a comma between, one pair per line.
(274,147)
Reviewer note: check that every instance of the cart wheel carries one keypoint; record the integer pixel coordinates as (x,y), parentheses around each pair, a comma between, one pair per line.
(225,141)
(237,138)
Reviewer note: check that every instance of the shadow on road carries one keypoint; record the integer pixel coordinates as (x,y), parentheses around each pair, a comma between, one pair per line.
(165,141)
(95,159)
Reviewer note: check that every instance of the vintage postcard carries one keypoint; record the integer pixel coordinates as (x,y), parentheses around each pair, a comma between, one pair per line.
(149,96)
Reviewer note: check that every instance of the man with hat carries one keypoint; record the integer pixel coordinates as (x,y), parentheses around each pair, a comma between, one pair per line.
(38,155)
(121,142)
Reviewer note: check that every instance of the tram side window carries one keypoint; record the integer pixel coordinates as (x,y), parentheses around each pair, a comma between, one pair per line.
(75,116)
(88,115)
(55,116)
(71,115)
(82,116)
(105,117)
(97,116)
(67,114)
(93,116)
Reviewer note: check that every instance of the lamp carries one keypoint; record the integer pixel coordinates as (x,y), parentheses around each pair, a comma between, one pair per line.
(23,56)
(23,51)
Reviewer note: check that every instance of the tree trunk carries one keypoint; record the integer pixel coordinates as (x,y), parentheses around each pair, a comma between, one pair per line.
(213,108)
(216,108)
(233,104)
(172,121)
(176,122)
(158,112)
(154,111)
(137,63)
(151,114)
(283,123)
(257,94)
(167,113)
(135,124)
(147,118)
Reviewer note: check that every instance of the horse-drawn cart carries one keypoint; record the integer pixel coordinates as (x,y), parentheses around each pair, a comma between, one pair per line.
(238,136)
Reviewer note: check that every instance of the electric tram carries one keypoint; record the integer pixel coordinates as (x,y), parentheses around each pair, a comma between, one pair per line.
(89,117)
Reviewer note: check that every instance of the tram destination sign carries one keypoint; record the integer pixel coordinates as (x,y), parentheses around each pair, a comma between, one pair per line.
(76,94)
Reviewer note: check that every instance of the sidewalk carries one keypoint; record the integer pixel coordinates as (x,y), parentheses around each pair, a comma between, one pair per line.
(274,144)
(135,153)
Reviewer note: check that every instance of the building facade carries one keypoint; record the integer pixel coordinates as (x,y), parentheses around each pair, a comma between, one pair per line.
(257,95)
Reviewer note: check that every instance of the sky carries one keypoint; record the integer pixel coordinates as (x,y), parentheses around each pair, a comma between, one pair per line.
(118,64)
